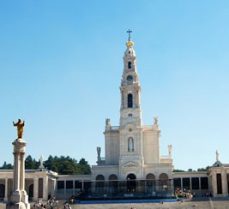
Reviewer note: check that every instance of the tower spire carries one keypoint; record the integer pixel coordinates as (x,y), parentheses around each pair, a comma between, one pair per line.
(129,34)
(130,112)
(129,43)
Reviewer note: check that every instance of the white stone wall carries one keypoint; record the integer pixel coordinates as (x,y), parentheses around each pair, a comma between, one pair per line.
(106,171)
(112,145)
(158,169)
(151,146)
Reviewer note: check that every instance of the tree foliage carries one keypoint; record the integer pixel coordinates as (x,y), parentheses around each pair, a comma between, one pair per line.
(178,170)
(62,165)
(67,165)
(203,169)
(6,166)
(31,163)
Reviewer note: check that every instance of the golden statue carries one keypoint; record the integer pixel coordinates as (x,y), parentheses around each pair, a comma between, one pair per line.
(20,124)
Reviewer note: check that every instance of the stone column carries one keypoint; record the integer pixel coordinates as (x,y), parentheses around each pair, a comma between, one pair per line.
(19,198)
(214,184)
(22,172)
(182,184)
(224,183)
(6,190)
(16,178)
(172,187)
(35,189)
(82,185)
(54,187)
(45,188)
(65,189)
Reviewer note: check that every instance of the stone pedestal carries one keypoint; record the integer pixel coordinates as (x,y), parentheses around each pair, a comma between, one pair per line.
(19,197)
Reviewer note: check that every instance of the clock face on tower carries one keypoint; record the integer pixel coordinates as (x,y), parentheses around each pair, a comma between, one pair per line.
(129,79)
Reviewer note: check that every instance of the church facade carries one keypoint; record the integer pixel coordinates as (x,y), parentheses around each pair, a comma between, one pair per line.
(132,165)
(132,149)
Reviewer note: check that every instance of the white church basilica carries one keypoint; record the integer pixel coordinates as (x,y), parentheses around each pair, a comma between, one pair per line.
(132,149)
(132,166)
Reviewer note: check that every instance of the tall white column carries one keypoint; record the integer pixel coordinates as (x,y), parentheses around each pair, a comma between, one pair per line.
(22,172)
(214,184)
(45,188)
(224,183)
(19,197)
(65,189)
(16,179)
(6,190)
(35,189)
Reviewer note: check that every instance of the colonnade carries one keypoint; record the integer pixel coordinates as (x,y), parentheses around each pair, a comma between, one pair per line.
(41,188)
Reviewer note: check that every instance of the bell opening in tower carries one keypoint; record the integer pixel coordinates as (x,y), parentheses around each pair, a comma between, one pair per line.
(130,101)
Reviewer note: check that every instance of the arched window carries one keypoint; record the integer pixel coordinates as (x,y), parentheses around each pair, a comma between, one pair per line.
(129,65)
(99,183)
(130,144)
(113,183)
(164,181)
(150,183)
(131,182)
(130,101)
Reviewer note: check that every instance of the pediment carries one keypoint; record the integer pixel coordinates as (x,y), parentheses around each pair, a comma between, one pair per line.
(130,164)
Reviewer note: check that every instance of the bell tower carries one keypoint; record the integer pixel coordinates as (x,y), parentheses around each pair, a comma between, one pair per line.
(130,111)
(131,139)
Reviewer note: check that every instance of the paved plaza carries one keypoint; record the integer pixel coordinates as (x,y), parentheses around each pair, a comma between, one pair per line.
(171,205)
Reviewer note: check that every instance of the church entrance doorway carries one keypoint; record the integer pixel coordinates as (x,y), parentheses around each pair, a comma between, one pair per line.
(100,184)
(113,183)
(131,182)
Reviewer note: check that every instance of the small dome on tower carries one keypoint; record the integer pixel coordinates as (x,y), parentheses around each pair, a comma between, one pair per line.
(129,44)
(130,52)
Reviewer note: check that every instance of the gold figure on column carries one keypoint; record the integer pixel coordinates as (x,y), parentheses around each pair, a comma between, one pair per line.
(20,124)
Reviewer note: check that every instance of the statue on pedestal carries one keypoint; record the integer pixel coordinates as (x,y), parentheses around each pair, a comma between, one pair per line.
(217,155)
(41,166)
(20,125)
(170,147)
(155,120)
(98,154)
(19,197)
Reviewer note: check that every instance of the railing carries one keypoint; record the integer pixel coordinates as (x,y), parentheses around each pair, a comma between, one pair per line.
(165,157)
(147,126)
(121,189)
(114,128)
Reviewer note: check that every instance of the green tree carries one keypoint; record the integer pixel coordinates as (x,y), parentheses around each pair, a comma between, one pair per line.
(31,163)
(6,166)
(203,169)
(84,167)
(178,170)
(62,165)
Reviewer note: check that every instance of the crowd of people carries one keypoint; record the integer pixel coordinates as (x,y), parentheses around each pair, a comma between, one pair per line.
(183,194)
(52,203)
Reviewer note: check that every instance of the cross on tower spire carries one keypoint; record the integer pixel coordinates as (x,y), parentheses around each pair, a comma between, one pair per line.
(129,34)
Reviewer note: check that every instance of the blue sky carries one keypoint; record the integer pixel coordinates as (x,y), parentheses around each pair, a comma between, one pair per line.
(61,66)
